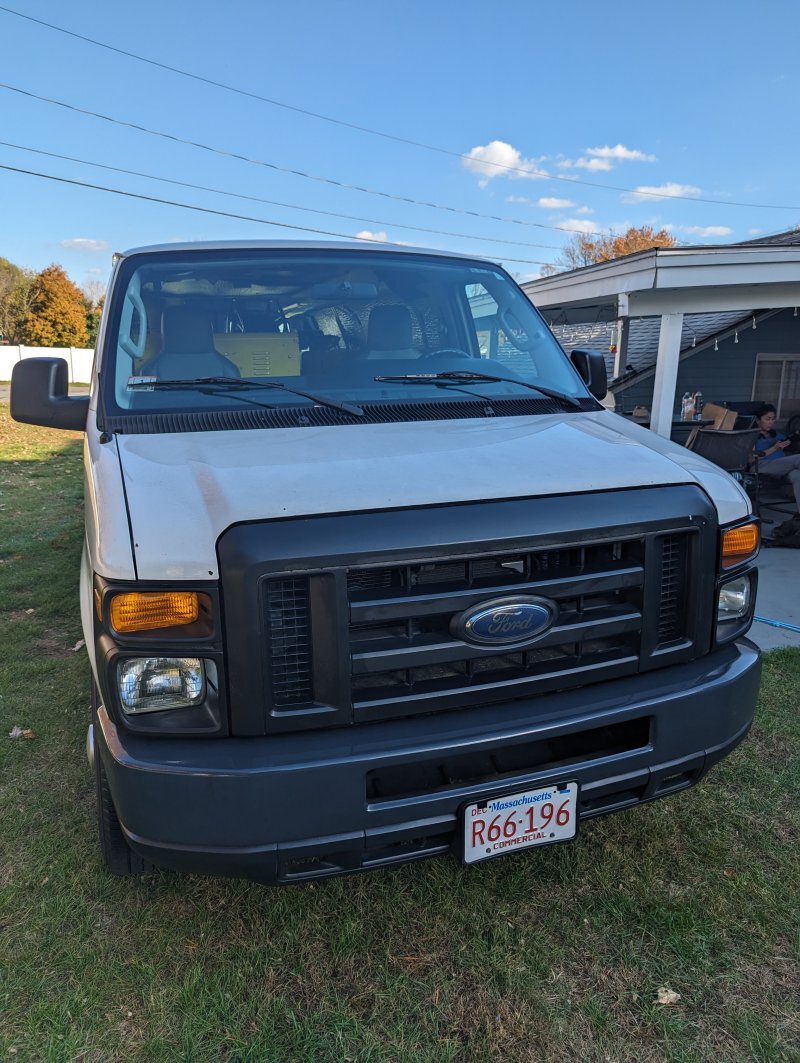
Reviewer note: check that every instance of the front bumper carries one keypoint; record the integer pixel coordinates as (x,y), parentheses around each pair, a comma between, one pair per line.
(290,807)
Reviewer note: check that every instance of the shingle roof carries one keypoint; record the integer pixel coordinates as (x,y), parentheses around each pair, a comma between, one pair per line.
(788,239)
(644,331)
(643,336)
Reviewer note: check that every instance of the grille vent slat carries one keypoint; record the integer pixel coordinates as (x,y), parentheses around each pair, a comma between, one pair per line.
(289,624)
(673,572)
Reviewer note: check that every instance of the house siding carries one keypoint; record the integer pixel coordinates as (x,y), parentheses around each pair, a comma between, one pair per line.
(725,375)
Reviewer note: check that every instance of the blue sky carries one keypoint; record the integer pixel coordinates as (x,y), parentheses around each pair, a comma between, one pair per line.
(604,101)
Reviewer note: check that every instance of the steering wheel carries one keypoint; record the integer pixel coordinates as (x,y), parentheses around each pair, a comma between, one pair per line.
(456,351)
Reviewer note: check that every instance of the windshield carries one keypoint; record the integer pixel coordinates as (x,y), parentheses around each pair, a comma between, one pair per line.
(294,327)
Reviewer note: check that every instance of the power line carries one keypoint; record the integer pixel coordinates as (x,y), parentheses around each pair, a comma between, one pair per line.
(523,171)
(273,202)
(285,169)
(225,213)
(228,88)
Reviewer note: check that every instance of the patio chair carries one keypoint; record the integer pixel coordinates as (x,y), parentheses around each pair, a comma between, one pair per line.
(773,493)
(732,451)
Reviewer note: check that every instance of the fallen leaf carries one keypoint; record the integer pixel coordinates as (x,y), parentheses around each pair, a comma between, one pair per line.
(728,872)
(30,611)
(667,996)
(78,645)
(20,732)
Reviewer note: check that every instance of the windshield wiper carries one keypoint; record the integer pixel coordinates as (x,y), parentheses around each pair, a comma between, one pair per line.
(211,385)
(464,376)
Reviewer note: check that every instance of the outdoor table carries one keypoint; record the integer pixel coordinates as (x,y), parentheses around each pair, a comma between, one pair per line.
(680,429)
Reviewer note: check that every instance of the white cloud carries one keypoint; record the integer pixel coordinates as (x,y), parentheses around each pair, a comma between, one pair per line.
(518,199)
(620,154)
(754,232)
(579,225)
(365,234)
(705,230)
(603,159)
(82,243)
(585,164)
(671,188)
(585,210)
(551,203)
(499,159)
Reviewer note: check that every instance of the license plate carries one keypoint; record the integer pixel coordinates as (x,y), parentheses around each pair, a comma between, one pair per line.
(517,821)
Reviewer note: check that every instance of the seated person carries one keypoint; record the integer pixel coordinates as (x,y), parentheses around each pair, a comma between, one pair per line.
(769,450)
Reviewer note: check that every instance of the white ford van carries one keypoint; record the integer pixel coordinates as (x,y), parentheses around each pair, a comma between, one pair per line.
(371,575)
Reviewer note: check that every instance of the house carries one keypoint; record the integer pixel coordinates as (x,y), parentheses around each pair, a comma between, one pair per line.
(722,320)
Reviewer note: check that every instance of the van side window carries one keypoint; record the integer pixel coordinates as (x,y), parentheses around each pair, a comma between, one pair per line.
(492,338)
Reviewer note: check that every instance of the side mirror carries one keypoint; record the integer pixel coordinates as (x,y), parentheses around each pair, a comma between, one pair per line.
(591,366)
(39,395)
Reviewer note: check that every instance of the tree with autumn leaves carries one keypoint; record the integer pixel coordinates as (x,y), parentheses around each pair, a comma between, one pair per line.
(57,317)
(46,309)
(585,249)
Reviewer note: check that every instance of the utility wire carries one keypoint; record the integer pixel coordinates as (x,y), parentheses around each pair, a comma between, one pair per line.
(227,214)
(272,202)
(523,171)
(285,169)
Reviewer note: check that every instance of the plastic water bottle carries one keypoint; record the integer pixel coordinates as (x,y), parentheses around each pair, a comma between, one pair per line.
(687,407)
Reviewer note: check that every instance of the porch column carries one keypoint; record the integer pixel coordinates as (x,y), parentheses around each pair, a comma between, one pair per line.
(669,349)
(621,357)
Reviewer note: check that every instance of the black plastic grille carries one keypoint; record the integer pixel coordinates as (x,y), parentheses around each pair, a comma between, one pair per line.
(342,619)
(671,618)
(404,657)
(402,646)
(289,625)
(467,769)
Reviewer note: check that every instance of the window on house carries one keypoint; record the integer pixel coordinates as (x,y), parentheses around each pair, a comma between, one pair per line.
(777,380)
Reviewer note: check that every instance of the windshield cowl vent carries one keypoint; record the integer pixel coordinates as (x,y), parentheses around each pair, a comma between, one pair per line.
(304,416)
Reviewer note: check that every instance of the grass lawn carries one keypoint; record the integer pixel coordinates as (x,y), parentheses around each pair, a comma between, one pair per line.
(556,955)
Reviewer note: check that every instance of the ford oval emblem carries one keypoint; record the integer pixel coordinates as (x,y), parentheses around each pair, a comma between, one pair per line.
(511,621)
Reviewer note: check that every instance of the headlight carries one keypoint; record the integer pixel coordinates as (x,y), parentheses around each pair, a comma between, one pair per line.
(734,599)
(735,603)
(152,684)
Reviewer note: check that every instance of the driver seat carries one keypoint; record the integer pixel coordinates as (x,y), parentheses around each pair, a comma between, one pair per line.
(188,348)
(389,333)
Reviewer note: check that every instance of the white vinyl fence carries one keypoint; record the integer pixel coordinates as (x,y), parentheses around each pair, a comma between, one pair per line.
(79,360)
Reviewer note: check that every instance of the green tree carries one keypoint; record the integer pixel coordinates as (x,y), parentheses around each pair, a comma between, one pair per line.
(57,315)
(94,311)
(585,250)
(17,289)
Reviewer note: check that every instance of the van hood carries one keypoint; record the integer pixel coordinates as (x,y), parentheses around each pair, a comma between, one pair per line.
(185,489)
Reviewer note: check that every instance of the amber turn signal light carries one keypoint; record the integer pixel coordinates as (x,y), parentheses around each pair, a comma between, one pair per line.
(739,544)
(147,612)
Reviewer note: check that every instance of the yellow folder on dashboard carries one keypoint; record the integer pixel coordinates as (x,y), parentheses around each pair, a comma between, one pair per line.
(261,353)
